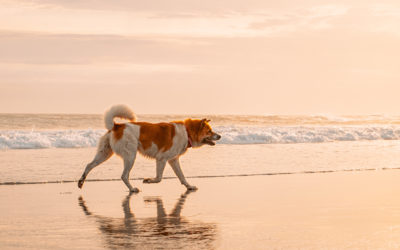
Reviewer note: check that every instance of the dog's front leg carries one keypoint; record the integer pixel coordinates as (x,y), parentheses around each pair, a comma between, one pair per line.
(178,171)
(160,170)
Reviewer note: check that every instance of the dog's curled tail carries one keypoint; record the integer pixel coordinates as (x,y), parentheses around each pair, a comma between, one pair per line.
(120,111)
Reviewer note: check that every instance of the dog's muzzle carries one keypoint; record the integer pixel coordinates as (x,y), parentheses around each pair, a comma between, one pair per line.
(215,137)
(210,140)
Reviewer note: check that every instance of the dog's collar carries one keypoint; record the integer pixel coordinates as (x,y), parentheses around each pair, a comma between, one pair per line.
(189,140)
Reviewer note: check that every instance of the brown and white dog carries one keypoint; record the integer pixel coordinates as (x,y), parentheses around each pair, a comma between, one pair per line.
(165,142)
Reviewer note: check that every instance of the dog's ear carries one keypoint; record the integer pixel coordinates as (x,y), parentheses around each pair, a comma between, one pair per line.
(202,123)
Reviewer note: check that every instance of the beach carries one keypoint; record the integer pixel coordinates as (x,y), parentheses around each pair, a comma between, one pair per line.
(343,210)
(267,185)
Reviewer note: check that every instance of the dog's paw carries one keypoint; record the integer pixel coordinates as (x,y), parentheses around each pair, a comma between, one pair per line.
(151,180)
(134,190)
(147,180)
(80,183)
(191,188)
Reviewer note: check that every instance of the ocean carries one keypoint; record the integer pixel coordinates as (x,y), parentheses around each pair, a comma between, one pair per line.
(51,148)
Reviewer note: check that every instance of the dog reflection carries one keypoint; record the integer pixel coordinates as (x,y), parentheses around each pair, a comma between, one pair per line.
(164,231)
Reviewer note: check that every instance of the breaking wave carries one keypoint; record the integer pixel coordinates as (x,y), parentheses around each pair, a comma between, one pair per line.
(49,139)
(284,135)
(17,139)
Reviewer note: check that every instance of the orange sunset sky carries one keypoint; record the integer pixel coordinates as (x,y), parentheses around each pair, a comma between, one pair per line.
(200,57)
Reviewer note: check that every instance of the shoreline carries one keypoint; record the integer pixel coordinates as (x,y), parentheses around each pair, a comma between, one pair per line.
(201,177)
(337,210)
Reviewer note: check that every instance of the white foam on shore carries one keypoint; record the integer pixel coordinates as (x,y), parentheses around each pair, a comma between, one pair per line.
(284,135)
(17,139)
(49,139)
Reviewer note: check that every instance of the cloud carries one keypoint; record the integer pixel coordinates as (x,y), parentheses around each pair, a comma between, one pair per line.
(317,17)
(123,22)
(44,48)
(162,6)
(156,18)
(386,10)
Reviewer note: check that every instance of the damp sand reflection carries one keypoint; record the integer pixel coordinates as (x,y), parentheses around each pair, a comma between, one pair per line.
(164,231)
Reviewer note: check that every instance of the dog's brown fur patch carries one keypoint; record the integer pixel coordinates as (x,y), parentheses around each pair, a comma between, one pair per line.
(160,134)
(118,131)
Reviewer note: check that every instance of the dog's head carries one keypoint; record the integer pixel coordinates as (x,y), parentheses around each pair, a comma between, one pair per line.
(200,132)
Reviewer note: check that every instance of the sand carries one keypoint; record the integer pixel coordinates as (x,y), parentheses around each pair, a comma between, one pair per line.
(354,210)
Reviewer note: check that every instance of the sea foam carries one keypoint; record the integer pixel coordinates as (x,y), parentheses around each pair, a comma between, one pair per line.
(49,139)
(17,139)
(271,135)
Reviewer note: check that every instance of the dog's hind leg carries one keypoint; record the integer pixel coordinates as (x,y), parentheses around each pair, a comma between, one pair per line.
(160,169)
(128,164)
(98,159)
(178,171)
(104,152)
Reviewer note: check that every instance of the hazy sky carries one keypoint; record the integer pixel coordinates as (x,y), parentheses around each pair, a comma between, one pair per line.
(183,56)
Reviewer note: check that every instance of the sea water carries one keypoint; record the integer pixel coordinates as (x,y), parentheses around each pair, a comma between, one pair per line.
(40,148)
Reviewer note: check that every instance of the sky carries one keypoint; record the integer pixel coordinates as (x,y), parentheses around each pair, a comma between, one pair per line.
(200,57)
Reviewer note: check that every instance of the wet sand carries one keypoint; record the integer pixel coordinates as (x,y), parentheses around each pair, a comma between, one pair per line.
(353,210)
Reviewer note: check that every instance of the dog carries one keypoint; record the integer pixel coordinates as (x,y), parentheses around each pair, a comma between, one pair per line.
(164,142)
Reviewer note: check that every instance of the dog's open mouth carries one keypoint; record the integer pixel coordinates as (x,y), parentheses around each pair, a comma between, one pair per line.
(208,141)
